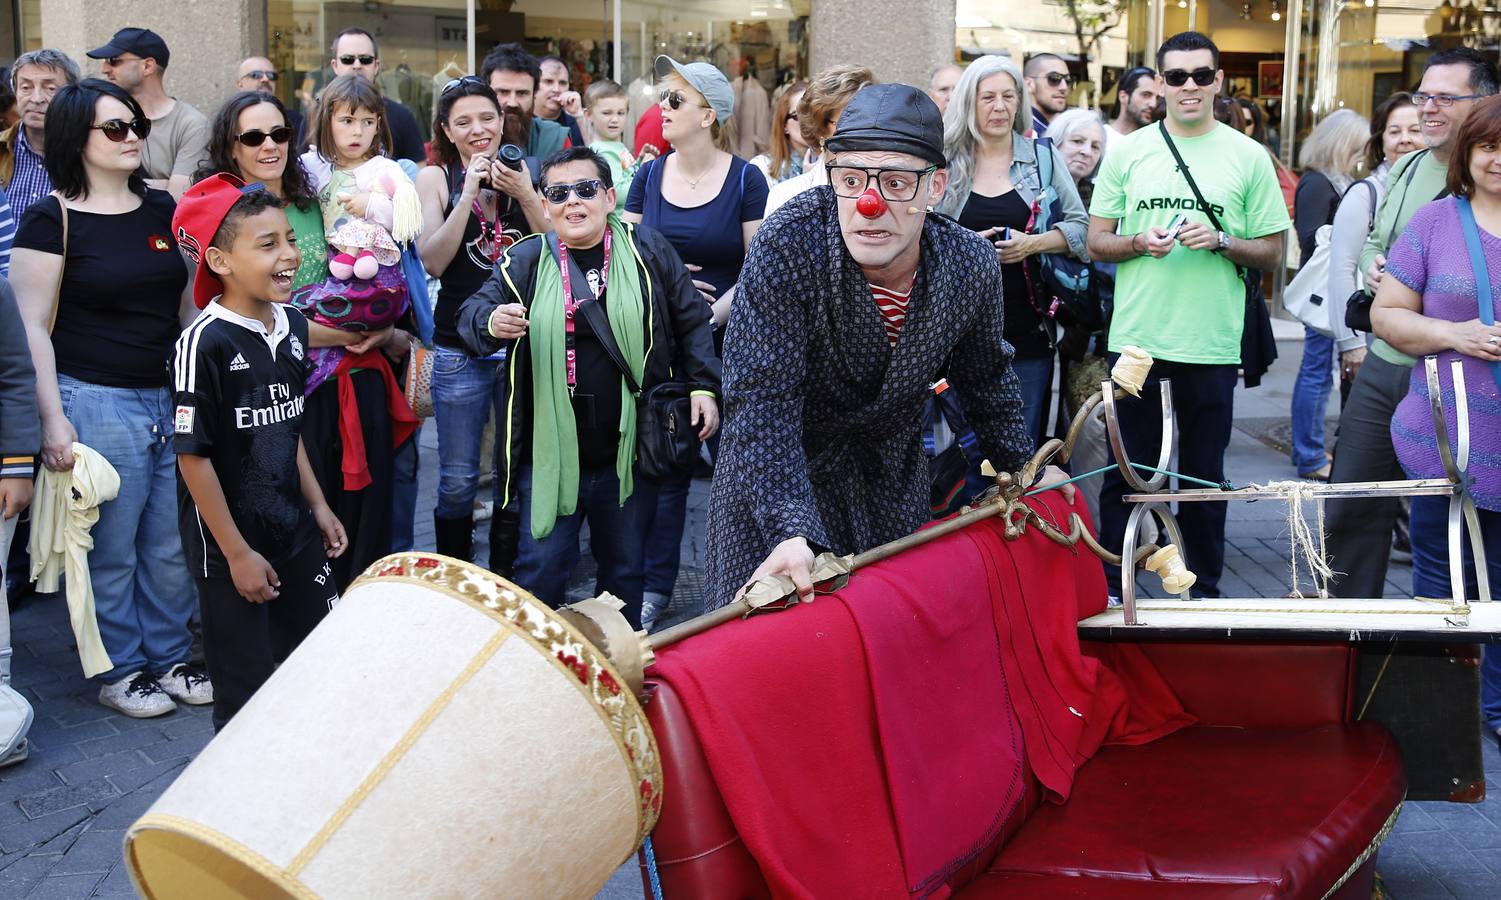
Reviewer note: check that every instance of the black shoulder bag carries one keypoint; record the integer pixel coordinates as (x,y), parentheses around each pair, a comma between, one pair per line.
(666,441)
(1258,346)
(1358,309)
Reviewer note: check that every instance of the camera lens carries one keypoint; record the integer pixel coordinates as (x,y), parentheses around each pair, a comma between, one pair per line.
(510,156)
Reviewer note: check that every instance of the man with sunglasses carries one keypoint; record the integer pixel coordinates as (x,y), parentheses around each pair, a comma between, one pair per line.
(1135,104)
(354,52)
(852,302)
(1360,531)
(1048,81)
(177,141)
(575,308)
(1180,296)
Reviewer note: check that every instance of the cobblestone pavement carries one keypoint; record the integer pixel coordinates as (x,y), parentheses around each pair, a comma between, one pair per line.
(92,772)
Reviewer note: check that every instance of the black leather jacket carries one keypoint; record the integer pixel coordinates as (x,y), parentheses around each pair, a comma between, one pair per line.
(681,343)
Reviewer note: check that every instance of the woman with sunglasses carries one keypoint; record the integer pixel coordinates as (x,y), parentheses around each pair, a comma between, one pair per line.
(465,230)
(789,154)
(708,204)
(250,138)
(104,293)
(1018,194)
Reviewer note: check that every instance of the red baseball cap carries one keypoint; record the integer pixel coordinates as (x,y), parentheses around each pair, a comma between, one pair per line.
(199,214)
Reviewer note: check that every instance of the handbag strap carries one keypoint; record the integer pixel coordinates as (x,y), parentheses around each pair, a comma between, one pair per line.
(593,312)
(1483,298)
(1203,204)
(57,293)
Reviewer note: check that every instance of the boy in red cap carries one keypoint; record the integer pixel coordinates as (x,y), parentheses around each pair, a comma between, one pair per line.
(250,509)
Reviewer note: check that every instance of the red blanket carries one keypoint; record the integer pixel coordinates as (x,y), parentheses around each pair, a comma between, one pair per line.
(865,744)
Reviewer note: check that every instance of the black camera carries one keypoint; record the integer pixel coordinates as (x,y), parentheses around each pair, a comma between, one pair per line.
(511,156)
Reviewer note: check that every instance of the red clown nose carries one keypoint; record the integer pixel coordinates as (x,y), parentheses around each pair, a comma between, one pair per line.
(871,204)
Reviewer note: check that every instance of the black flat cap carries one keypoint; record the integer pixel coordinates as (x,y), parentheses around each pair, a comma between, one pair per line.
(893,117)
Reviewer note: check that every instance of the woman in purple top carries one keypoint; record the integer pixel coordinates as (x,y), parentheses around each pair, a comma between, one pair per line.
(1429,305)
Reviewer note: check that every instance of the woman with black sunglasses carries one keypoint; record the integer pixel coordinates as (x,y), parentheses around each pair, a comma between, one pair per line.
(103,292)
(251,138)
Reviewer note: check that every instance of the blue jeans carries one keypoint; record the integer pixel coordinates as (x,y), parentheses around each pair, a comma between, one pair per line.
(143,594)
(668,513)
(1037,384)
(1429,530)
(465,389)
(1311,400)
(616,538)
(404,467)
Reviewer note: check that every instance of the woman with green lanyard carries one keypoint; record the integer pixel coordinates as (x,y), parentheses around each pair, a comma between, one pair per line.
(251,140)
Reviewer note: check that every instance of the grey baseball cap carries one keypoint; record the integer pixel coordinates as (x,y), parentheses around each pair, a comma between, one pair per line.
(705,79)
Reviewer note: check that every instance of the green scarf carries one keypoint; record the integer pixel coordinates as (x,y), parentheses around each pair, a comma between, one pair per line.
(555,451)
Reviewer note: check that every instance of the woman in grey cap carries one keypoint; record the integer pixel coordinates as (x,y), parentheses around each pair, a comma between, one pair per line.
(707,203)
(1017,192)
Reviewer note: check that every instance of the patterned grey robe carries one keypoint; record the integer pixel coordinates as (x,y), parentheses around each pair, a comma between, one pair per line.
(821,415)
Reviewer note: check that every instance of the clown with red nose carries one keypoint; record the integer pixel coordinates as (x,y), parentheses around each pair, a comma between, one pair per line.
(852,303)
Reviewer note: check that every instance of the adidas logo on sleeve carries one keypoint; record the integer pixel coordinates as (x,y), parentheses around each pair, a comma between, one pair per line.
(238,364)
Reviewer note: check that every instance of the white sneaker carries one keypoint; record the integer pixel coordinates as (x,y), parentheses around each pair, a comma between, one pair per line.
(138,696)
(189,685)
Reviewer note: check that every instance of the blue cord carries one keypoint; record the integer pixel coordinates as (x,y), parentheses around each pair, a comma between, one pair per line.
(651,869)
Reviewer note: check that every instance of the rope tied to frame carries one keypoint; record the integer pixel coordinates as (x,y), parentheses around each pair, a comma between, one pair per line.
(1302,539)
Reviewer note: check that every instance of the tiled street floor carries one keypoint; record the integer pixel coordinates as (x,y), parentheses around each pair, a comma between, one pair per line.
(92,772)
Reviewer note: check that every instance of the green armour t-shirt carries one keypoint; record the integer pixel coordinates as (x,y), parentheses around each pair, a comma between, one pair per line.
(1188,306)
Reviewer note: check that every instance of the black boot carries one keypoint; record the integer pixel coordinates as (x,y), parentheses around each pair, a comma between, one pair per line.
(455,536)
(505,540)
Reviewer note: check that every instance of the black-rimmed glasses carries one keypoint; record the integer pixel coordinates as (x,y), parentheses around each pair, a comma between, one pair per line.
(116,129)
(896,185)
(364,58)
(557,194)
(1057,78)
(1202,76)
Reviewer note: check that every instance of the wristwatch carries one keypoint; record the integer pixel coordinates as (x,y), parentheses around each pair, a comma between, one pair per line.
(1224,240)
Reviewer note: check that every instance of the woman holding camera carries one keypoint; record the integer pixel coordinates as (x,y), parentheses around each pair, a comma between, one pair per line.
(467,226)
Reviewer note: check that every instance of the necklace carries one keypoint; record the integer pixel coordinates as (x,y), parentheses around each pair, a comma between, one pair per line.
(693,182)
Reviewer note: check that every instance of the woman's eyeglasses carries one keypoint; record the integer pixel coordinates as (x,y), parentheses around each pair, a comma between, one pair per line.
(458,82)
(674,99)
(116,129)
(255,137)
(364,58)
(1203,77)
(557,194)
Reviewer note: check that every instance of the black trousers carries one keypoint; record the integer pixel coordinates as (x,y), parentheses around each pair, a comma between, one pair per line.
(1360,531)
(366,514)
(1204,400)
(243,642)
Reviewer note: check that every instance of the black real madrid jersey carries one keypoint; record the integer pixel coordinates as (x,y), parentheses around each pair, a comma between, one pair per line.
(239,403)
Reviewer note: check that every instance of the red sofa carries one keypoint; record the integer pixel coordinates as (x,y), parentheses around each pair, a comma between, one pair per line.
(1274,792)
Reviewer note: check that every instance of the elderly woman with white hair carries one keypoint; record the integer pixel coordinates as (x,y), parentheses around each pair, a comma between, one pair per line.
(1331,158)
(1018,193)
(1079,136)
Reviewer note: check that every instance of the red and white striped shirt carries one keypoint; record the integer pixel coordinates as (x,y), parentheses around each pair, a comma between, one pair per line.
(893,307)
